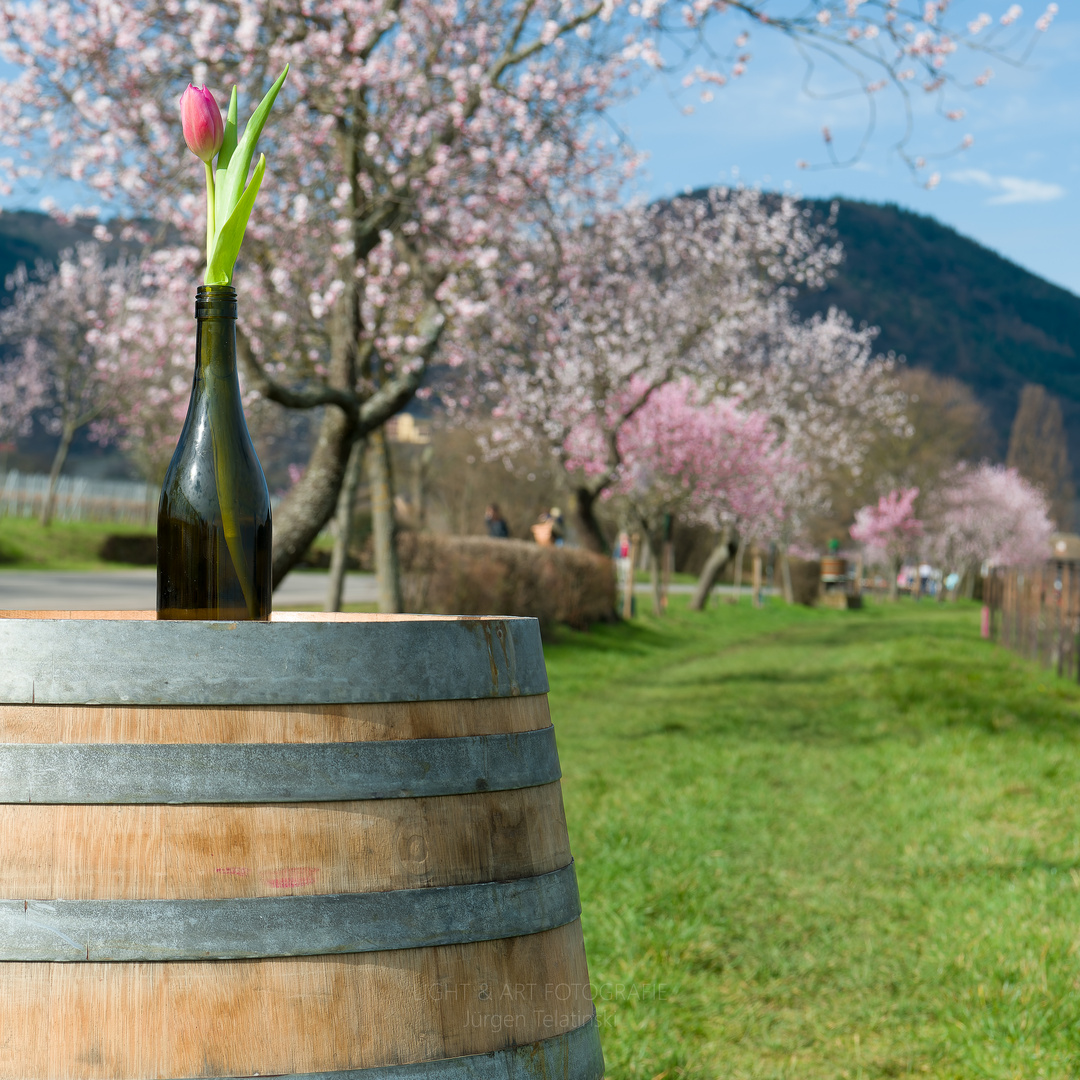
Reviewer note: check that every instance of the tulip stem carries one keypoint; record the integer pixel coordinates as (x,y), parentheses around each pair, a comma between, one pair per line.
(209,211)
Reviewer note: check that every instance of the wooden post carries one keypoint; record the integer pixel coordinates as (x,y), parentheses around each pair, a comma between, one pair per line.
(740,554)
(667,561)
(628,585)
(628,594)
(1071,617)
(1036,601)
(667,557)
(785,576)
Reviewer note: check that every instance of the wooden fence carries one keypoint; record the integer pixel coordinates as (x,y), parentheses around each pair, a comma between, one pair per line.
(79,499)
(1035,611)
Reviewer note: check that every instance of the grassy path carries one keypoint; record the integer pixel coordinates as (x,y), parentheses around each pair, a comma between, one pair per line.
(822,844)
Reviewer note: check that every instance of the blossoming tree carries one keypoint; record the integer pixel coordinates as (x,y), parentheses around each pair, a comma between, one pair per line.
(59,321)
(704,462)
(889,529)
(829,396)
(146,355)
(988,514)
(414,137)
(586,322)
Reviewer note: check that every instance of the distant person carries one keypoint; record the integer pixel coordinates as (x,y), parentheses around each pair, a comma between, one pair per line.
(558,526)
(496,523)
(926,573)
(543,530)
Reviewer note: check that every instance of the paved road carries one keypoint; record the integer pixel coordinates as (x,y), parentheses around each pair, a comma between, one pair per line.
(133,590)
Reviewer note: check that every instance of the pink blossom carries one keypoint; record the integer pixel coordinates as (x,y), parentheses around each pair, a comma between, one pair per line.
(890,527)
(705,462)
(988,514)
(1042,23)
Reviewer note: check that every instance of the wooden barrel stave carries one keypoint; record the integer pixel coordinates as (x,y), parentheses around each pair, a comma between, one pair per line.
(20,723)
(519,1002)
(216,852)
(236,1018)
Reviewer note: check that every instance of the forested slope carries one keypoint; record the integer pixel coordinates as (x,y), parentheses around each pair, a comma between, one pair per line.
(947,303)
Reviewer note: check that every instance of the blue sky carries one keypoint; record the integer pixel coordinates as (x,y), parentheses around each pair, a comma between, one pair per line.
(1016,190)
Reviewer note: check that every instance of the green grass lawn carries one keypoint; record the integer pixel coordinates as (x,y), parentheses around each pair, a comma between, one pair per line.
(64,545)
(823,844)
(644,577)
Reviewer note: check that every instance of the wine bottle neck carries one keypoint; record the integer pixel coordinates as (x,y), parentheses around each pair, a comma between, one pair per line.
(215,302)
(215,338)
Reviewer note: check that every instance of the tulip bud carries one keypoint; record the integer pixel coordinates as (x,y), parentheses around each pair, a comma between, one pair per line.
(204,130)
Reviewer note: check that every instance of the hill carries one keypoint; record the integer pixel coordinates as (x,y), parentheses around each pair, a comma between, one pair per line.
(26,236)
(952,305)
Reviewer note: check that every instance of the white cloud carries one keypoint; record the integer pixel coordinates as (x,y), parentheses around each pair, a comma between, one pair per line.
(1018,191)
(1009,189)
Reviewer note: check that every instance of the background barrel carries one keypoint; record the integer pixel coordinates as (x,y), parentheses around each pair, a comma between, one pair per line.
(323,845)
(833,568)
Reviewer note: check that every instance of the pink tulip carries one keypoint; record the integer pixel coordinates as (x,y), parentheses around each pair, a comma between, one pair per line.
(204,130)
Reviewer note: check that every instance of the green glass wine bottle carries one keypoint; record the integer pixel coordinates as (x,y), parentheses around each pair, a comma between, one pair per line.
(214,528)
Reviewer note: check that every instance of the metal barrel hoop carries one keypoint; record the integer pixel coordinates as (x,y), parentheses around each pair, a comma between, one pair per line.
(117,662)
(211,773)
(276,926)
(573,1055)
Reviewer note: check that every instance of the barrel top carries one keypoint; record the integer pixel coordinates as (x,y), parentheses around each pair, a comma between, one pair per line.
(298,658)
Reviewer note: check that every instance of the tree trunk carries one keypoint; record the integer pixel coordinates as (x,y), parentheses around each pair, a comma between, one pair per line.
(591,535)
(381,486)
(657,578)
(894,590)
(628,592)
(421,467)
(785,577)
(66,436)
(335,588)
(740,557)
(313,499)
(969,585)
(667,568)
(714,566)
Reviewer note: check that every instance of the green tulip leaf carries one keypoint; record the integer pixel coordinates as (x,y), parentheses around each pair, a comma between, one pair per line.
(239,161)
(230,235)
(228,145)
(226,481)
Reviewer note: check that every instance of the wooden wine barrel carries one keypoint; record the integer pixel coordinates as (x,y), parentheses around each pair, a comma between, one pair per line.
(322,847)
(833,568)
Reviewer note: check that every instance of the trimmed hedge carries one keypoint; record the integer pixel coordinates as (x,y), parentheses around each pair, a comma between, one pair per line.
(139,549)
(475,575)
(805,580)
